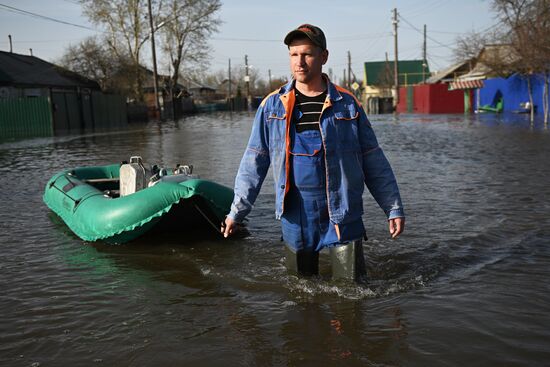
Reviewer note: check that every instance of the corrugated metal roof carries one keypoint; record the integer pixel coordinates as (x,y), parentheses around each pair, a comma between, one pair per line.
(466,84)
(23,70)
(376,70)
(502,56)
(449,73)
(193,84)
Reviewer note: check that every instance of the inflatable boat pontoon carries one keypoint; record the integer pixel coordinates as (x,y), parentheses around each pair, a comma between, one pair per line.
(97,203)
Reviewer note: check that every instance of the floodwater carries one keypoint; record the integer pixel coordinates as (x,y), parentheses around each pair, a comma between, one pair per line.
(466,285)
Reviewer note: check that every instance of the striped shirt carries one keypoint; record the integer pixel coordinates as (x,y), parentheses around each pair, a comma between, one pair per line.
(311,108)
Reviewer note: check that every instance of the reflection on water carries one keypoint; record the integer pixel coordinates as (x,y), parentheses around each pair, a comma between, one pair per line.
(466,284)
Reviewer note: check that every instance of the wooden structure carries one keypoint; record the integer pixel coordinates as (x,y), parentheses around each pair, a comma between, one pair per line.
(73,102)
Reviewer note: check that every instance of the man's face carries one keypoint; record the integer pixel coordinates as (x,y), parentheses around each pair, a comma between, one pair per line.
(306,60)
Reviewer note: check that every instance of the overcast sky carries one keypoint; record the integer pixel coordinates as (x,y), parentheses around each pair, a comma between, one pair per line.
(256,28)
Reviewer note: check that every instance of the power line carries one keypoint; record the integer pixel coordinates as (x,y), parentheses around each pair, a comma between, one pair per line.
(433,62)
(39,16)
(410,54)
(43,41)
(360,37)
(371,49)
(426,7)
(433,31)
(449,46)
(500,22)
(374,36)
(244,39)
(419,31)
(443,46)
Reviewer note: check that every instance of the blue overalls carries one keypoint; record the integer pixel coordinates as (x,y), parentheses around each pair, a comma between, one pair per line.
(305,222)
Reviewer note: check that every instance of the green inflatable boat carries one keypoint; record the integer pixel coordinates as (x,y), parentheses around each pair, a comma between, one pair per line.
(93,204)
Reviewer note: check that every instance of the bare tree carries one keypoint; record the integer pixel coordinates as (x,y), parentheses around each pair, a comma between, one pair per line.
(469,45)
(531,36)
(92,59)
(512,14)
(259,87)
(523,45)
(185,26)
(126,25)
(216,79)
(263,88)
(528,22)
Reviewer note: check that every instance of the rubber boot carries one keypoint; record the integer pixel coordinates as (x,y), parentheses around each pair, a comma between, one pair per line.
(302,262)
(348,261)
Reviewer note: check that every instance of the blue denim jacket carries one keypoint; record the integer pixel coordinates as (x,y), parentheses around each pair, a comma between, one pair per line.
(353,157)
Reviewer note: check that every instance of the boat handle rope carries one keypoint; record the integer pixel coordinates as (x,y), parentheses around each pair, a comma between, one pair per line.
(52,184)
(77,202)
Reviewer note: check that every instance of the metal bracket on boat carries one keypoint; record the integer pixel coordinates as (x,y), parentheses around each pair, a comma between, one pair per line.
(53,183)
(158,174)
(183,169)
(77,202)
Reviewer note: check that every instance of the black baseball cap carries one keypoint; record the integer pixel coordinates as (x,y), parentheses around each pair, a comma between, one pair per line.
(315,34)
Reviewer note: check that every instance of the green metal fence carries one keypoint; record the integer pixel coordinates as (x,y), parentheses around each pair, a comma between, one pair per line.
(108,110)
(67,113)
(23,117)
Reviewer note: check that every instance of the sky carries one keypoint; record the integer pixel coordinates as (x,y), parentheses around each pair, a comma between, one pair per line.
(257,27)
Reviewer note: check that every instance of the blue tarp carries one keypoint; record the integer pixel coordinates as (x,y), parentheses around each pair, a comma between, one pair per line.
(513,90)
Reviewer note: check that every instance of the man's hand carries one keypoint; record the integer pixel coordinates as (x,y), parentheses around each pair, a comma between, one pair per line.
(228,227)
(397,226)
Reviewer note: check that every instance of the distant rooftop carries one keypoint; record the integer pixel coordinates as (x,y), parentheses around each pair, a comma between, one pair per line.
(493,60)
(410,72)
(451,73)
(23,70)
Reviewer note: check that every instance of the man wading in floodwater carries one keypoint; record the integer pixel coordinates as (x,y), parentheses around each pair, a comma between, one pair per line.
(323,151)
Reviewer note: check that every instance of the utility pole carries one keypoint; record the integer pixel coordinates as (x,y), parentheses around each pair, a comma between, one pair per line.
(344,81)
(396,61)
(270,86)
(247,80)
(11,45)
(229,86)
(424,62)
(30,50)
(349,70)
(388,76)
(154,53)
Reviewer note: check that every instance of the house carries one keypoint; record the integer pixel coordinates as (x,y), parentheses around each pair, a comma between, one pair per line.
(29,76)
(493,61)
(51,99)
(379,81)
(488,83)
(201,93)
(452,72)
(378,73)
(207,98)
(434,95)
(430,98)
(173,101)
